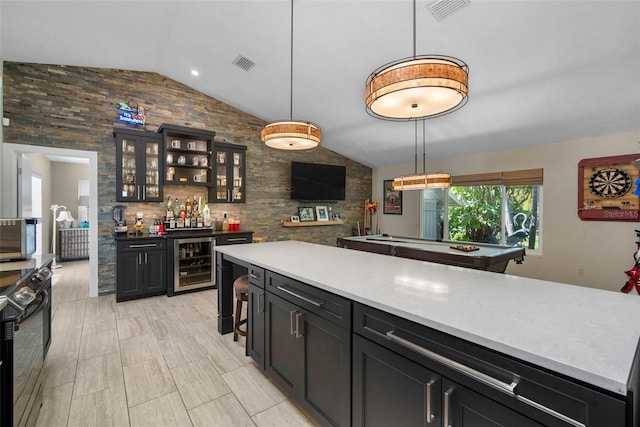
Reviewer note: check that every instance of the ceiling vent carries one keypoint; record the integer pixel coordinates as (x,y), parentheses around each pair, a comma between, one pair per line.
(441,9)
(243,62)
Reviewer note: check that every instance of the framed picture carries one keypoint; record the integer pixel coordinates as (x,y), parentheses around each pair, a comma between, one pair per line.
(295,218)
(306,214)
(392,199)
(336,217)
(322,213)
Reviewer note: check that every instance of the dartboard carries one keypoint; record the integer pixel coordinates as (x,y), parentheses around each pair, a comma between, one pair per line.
(610,183)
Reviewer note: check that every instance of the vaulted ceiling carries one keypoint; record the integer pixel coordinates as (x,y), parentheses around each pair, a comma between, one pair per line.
(540,71)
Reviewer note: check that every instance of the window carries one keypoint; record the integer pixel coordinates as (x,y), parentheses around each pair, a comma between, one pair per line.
(500,208)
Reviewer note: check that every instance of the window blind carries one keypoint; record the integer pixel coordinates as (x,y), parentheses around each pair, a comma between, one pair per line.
(508,178)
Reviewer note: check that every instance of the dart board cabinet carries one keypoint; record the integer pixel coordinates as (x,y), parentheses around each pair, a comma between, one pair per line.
(606,187)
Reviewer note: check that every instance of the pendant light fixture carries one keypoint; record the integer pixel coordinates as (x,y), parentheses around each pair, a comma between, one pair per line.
(426,180)
(418,87)
(291,135)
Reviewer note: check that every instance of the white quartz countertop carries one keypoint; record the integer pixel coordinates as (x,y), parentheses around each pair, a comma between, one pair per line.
(587,334)
(35,261)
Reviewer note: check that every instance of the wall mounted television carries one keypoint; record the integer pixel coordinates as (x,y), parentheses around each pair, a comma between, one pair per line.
(318,182)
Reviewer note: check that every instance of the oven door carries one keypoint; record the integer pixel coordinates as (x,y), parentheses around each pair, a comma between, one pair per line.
(27,360)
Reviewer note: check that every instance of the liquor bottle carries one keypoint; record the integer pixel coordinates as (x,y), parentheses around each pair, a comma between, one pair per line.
(183,216)
(206,213)
(225,223)
(200,220)
(169,208)
(194,206)
(189,207)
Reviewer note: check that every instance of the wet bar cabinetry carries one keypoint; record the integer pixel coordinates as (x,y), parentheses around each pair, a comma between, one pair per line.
(187,155)
(141,268)
(229,184)
(138,166)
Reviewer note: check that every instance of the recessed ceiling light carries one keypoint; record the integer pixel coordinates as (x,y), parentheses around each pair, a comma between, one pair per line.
(194,72)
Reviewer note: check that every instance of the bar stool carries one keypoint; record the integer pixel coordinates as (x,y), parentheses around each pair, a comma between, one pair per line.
(241,288)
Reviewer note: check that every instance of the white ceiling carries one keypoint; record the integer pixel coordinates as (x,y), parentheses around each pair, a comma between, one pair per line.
(540,71)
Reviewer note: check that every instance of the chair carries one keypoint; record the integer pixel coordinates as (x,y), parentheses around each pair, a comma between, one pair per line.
(241,288)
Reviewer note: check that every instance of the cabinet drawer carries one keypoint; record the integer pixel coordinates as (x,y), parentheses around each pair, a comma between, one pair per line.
(138,245)
(256,276)
(537,393)
(234,239)
(322,303)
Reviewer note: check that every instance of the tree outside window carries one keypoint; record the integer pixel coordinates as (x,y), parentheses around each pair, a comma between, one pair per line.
(498,214)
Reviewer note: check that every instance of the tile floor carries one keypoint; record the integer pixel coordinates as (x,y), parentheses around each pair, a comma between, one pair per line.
(151,362)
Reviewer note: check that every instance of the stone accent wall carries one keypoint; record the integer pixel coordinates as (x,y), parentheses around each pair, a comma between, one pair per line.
(76,108)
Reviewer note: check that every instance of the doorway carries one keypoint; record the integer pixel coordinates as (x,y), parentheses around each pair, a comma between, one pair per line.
(11,154)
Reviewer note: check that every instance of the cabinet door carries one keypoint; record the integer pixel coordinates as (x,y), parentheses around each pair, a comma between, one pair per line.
(465,408)
(128,177)
(389,389)
(129,276)
(229,174)
(138,164)
(152,164)
(256,316)
(155,267)
(326,368)
(283,350)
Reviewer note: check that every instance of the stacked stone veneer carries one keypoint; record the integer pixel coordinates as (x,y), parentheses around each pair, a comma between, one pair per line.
(76,108)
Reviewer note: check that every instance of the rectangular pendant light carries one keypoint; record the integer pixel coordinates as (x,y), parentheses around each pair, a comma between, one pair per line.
(420,182)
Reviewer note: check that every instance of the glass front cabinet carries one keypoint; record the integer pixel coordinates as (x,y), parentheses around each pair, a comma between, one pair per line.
(139,165)
(229,184)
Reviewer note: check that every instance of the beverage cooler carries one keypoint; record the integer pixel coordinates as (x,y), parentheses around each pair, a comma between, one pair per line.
(193,264)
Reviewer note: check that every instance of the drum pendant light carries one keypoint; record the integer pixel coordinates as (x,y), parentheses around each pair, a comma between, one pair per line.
(418,87)
(426,180)
(291,135)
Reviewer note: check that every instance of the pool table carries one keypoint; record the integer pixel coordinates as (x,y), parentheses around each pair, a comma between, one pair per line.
(486,257)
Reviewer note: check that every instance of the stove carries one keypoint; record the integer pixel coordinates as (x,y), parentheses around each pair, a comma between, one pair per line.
(25,335)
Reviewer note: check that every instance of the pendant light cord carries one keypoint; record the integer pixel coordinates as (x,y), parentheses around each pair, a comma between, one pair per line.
(414,29)
(291,68)
(424,156)
(415,160)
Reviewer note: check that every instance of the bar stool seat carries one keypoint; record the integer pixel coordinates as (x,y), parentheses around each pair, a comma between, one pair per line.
(241,288)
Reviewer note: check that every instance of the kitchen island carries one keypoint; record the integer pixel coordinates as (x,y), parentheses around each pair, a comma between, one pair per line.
(556,354)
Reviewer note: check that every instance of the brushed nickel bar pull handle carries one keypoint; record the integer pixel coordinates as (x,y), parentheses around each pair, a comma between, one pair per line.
(149,245)
(430,415)
(447,397)
(551,412)
(146,261)
(239,239)
(309,300)
(261,303)
(464,369)
(253,276)
(291,314)
(299,334)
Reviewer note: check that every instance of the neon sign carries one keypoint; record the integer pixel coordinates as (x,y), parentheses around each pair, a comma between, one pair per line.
(135,116)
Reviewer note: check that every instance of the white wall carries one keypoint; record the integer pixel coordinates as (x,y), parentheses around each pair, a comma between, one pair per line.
(67,176)
(602,250)
(42,165)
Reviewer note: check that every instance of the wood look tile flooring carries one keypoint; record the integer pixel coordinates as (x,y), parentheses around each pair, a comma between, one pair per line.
(151,362)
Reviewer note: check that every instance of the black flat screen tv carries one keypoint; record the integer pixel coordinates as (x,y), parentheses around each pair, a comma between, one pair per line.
(317,182)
